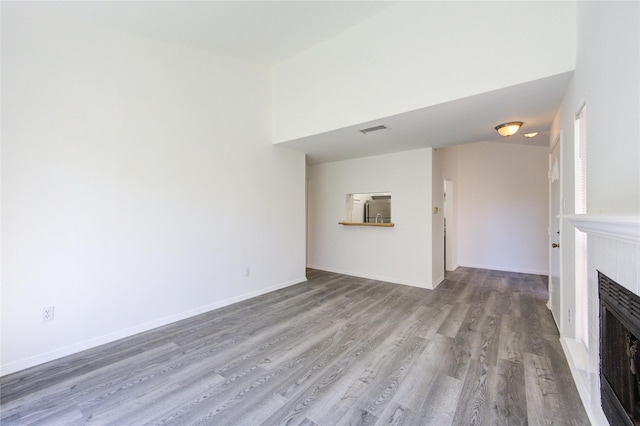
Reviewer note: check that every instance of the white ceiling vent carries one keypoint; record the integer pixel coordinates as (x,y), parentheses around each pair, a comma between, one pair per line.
(374,129)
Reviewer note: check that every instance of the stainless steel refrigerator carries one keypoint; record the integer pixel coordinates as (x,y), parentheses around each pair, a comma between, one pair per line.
(377,211)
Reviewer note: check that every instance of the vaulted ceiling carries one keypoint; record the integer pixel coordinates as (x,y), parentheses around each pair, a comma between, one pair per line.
(269,32)
(261,31)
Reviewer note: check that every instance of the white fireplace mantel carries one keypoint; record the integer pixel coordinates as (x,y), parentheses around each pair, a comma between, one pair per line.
(613,249)
(625,228)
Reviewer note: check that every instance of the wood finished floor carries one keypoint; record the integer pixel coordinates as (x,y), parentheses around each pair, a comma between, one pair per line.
(480,349)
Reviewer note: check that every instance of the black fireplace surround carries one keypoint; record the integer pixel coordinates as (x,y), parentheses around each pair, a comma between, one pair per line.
(619,357)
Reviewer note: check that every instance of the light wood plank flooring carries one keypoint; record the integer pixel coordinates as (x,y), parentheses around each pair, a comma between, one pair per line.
(480,349)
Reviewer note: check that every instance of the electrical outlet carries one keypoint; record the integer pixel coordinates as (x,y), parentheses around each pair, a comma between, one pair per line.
(47,313)
(569,316)
(247,271)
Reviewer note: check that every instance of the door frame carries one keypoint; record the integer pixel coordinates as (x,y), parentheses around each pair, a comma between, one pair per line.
(555,297)
(451,258)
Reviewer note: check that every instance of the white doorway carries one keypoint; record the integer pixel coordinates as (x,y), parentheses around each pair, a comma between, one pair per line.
(555,209)
(450,253)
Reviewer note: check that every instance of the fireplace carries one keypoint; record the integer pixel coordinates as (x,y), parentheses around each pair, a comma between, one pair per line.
(619,352)
(613,250)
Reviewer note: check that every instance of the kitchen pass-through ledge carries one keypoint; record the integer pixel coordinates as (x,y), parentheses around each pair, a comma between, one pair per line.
(385,225)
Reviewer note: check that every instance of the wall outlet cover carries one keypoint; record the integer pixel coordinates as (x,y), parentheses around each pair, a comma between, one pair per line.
(47,313)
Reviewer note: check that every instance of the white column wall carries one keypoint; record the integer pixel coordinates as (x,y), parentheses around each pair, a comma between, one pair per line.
(437,217)
(450,159)
(401,254)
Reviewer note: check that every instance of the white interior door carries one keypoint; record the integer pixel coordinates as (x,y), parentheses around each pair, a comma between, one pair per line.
(555,209)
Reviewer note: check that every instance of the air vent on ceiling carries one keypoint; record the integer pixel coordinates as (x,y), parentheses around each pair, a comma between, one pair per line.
(373,129)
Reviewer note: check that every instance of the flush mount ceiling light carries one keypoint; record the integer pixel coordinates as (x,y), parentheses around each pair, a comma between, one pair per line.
(508,129)
(530,135)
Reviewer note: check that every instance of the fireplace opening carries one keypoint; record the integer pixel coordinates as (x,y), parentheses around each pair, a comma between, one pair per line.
(619,352)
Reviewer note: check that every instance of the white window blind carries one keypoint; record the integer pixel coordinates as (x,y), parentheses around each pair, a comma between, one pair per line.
(581,283)
(581,161)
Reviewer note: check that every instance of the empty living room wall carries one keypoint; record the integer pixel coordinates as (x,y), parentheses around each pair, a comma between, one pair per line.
(131,174)
(400,254)
(503,209)
(501,205)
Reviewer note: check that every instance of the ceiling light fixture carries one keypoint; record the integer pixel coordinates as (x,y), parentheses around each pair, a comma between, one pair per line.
(508,129)
(530,135)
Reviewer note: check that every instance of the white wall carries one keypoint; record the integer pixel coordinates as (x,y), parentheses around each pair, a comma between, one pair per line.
(609,62)
(401,254)
(400,60)
(138,182)
(502,207)
(606,79)
(437,219)
(449,159)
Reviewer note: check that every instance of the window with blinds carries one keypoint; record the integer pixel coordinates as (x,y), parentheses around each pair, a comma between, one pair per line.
(580,167)
(581,161)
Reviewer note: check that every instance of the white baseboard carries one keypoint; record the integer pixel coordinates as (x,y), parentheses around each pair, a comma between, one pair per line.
(111,337)
(509,269)
(578,360)
(438,281)
(392,280)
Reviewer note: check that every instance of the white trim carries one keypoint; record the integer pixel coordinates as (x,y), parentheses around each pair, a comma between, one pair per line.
(438,281)
(454,267)
(578,360)
(619,227)
(508,269)
(373,277)
(108,338)
(555,295)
